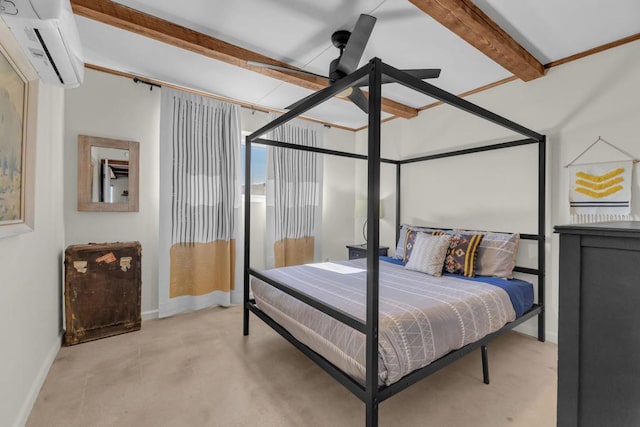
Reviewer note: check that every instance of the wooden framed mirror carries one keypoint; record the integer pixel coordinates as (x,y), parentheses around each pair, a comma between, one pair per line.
(107,174)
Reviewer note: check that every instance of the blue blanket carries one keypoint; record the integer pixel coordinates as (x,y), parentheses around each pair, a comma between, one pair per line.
(392,260)
(520,292)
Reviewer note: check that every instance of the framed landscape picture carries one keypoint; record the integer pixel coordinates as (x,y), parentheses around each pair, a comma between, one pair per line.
(18,101)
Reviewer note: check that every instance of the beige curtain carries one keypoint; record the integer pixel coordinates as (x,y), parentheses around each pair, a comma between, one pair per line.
(294,196)
(201,268)
(200,202)
(294,251)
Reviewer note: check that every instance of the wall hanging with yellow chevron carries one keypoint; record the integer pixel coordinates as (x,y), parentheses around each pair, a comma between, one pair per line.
(601,191)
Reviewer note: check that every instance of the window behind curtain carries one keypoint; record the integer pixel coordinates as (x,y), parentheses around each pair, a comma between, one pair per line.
(258,171)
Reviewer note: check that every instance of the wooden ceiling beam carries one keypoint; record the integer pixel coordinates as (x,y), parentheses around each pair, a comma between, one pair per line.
(123,17)
(469,22)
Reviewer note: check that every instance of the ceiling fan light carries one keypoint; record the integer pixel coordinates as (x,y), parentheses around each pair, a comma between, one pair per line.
(347,92)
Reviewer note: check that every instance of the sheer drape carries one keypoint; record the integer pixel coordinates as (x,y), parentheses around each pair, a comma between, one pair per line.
(294,196)
(200,202)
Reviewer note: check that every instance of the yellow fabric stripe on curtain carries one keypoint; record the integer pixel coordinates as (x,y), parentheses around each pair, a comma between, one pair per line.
(293,251)
(201,268)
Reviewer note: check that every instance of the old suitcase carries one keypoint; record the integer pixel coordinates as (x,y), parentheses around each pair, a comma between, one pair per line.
(102,290)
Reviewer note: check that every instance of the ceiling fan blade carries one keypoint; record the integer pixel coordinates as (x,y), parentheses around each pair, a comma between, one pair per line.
(358,98)
(420,73)
(424,73)
(355,46)
(285,69)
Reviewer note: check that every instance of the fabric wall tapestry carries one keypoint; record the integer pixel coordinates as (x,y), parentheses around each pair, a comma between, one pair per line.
(200,201)
(600,191)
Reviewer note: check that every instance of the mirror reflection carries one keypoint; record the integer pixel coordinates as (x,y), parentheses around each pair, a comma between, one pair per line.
(110,175)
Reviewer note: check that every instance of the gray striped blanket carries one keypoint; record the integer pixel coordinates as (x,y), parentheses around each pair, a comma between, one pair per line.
(421,317)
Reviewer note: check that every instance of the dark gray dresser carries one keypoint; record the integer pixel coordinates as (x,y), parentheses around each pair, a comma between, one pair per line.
(599,325)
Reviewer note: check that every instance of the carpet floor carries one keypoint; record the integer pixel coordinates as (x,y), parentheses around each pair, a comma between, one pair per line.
(198,370)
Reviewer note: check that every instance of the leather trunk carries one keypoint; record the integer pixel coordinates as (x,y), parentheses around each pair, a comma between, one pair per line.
(102,290)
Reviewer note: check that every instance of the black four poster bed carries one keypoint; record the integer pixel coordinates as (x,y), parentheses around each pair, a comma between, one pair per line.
(368,388)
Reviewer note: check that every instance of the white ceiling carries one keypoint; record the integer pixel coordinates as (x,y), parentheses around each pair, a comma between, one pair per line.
(298,32)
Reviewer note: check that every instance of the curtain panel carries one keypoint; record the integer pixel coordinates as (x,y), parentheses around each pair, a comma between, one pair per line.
(200,202)
(294,196)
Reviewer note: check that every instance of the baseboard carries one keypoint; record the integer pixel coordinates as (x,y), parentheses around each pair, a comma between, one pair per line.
(150,314)
(533,331)
(552,337)
(34,390)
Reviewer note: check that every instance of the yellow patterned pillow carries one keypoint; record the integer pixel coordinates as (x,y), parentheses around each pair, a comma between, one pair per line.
(462,253)
(410,238)
(496,254)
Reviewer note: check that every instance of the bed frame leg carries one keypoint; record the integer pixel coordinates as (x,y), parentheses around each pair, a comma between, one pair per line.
(372,414)
(541,326)
(485,364)
(245,322)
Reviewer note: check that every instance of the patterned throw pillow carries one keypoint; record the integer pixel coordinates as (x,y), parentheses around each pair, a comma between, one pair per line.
(410,239)
(399,253)
(497,255)
(428,253)
(462,253)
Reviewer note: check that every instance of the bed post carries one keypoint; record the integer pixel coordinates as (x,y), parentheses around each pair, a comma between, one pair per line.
(247,234)
(542,172)
(373,241)
(398,174)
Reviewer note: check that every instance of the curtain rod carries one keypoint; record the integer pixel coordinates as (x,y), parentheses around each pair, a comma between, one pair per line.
(151,84)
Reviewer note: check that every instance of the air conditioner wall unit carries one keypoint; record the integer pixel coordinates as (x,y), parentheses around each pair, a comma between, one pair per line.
(47,32)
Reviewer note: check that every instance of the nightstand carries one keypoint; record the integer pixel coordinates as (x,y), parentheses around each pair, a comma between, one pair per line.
(360,251)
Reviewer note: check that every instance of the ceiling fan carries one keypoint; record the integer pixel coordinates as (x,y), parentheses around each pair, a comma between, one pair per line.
(351,45)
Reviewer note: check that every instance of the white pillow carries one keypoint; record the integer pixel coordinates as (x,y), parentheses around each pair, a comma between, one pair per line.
(429,253)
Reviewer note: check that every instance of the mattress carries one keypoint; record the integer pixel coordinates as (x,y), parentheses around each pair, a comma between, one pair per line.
(422,317)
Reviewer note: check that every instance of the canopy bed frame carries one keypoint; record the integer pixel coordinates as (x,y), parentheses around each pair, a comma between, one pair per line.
(371,393)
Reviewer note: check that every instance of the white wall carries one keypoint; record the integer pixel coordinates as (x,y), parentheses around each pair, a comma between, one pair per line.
(390,149)
(338,196)
(115,107)
(573,105)
(31,283)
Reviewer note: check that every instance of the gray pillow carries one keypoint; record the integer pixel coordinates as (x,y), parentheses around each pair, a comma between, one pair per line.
(428,253)
(497,255)
(399,253)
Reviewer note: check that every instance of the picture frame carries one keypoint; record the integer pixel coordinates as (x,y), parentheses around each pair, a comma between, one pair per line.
(18,107)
